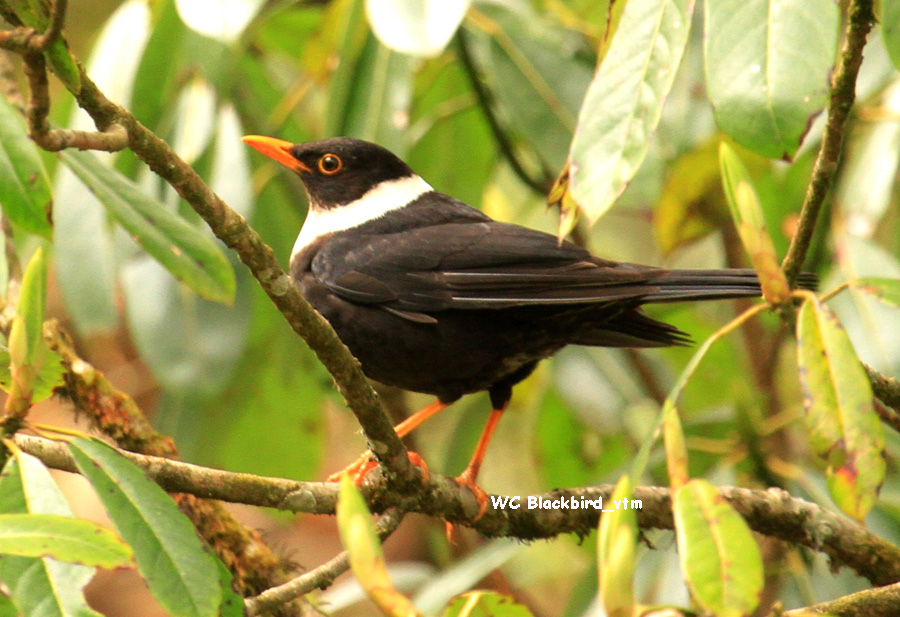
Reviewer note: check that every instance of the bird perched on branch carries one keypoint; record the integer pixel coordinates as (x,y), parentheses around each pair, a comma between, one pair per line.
(432,295)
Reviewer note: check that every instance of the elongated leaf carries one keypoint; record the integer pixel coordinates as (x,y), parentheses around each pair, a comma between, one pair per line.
(885,289)
(539,74)
(63,538)
(24,187)
(366,557)
(31,304)
(223,20)
(416,27)
(624,103)
(751,225)
(183,249)
(676,450)
(719,557)
(616,553)
(41,587)
(485,604)
(767,68)
(844,427)
(890,28)
(180,573)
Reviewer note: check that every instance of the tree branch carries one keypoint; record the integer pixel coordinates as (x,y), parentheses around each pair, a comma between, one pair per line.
(771,512)
(842,95)
(882,601)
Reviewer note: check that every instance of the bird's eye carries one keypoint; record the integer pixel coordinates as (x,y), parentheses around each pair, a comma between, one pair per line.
(330,164)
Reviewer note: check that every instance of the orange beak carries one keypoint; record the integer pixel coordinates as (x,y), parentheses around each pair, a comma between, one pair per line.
(276,149)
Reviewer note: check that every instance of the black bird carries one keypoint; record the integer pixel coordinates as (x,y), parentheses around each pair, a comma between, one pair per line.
(434,296)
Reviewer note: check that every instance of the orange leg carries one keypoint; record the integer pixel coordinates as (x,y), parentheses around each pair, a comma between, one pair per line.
(470,474)
(361,466)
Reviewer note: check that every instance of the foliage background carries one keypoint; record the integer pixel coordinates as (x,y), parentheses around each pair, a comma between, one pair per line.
(238,390)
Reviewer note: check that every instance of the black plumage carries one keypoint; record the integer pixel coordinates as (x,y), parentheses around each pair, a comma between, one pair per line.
(433,296)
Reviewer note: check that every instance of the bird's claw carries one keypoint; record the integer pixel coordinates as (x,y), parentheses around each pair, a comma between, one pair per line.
(366,463)
(481,496)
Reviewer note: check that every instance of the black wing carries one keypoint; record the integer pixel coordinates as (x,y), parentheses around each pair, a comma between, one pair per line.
(473,265)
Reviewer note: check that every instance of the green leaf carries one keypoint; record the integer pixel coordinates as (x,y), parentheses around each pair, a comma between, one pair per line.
(185,251)
(718,554)
(178,569)
(617,553)
(844,428)
(417,28)
(366,557)
(890,28)
(751,225)
(538,73)
(767,68)
(624,103)
(885,289)
(24,187)
(63,538)
(31,304)
(41,587)
(676,449)
(485,604)
(46,381)
(692,203)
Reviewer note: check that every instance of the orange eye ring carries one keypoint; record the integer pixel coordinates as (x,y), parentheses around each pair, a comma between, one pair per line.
(330,164)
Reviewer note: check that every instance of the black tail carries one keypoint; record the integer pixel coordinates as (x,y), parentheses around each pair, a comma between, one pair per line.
(680,285)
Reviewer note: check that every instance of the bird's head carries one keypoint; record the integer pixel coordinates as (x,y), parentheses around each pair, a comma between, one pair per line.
(335,171)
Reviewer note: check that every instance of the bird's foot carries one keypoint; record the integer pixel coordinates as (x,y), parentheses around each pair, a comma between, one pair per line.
(467,479)
(366,463)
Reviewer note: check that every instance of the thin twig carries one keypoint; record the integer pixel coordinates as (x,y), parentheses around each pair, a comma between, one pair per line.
(878,602)
(320,577)
(842,95)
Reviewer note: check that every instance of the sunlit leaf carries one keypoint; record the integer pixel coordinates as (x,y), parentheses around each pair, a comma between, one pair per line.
(751,225)
(676,450)
(41,586)
(624,103)
(844,428)
(24,188)
(416,27)
(170,556)
(63,538)
(223,20)
(885,289)
(366,557)
(31,304)
(718,554)
(485,604)
(767,68)
(617,553)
